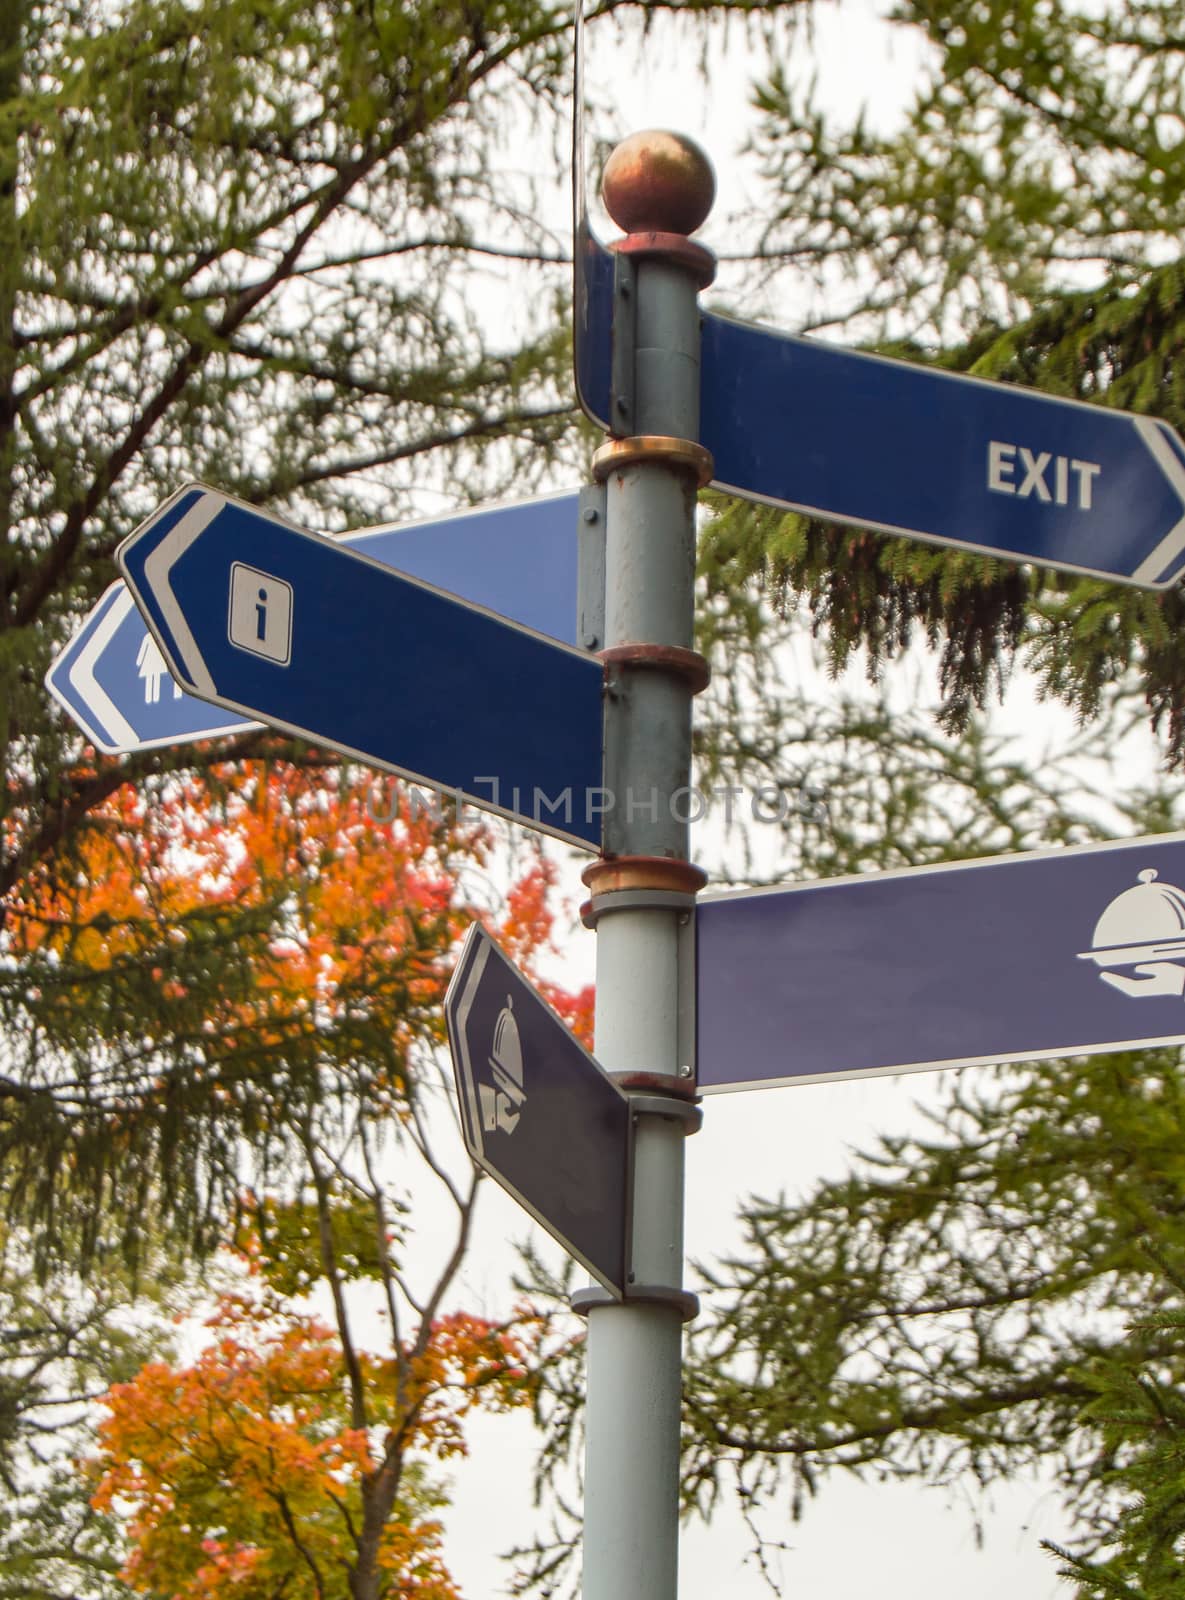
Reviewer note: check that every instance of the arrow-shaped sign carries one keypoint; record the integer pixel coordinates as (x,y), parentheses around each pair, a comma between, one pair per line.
(1009,958)
(290,628)
(518,560)
(538,1112)
(907,449)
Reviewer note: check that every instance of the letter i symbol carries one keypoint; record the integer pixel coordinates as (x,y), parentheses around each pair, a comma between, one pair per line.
(260,614)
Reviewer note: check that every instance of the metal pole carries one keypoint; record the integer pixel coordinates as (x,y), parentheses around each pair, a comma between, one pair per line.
(659,187)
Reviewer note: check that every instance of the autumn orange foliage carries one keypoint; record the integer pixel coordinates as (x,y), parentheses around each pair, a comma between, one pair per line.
(284,1460)
(346,890)
(257,924)
(349,892)
(242,1474)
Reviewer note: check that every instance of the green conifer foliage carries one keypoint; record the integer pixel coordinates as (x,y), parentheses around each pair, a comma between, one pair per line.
(993,1295)
(1140,1410)
(266,244)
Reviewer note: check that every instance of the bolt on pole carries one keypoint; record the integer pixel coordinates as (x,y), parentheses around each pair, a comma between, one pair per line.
(659,188)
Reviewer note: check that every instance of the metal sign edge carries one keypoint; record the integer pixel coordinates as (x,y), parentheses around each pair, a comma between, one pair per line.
(66,658)
(955,1063)
(480,933)
(899,531)
(1006,858)
(320,741)
(1141,422)
(996,385)
(69,658)
(463,977)
(442,519)
(335,544)
(366,759)
(65,662)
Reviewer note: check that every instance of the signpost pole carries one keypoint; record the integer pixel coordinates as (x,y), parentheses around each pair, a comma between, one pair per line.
(659,188)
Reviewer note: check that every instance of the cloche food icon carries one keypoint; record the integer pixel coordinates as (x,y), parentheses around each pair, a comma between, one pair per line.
(500,1103)
(506,1057)
(1145,923)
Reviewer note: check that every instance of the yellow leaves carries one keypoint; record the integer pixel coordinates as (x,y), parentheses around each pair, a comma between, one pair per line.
(469,1361)
(249,835)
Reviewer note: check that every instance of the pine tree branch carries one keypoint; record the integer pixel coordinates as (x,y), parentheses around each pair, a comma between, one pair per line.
(441,439)
(865,1442)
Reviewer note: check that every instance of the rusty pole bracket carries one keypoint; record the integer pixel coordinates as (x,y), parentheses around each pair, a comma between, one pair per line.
(608,875)
(686,664)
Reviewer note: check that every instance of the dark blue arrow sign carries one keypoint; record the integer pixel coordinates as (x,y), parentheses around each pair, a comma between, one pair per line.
(910,450)
(1061,952)
(518,560)
(289,628)
(538,1113)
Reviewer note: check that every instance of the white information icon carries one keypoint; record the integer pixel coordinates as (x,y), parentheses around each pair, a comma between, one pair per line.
(260,618)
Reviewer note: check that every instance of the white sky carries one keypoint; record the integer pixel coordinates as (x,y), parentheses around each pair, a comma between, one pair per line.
(856,1539)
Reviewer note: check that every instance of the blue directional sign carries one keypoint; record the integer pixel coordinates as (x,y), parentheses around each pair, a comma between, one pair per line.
(290,628)
(1012,958)
(906,449)
(537,1111)
(518,560)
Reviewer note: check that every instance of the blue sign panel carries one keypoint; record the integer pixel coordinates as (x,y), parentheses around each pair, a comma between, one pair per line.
(292,629)
(592,323)
(114,683)
(1061,952)
(910,450)
(518,560)
(538,1113)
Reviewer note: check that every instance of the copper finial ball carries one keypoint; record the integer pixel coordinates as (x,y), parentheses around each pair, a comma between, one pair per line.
(658,182)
